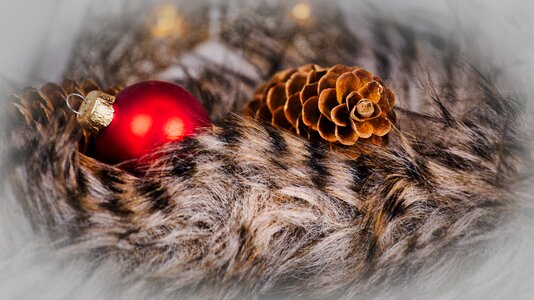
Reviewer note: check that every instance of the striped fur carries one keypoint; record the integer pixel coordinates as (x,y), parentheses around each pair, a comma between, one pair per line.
(245,210)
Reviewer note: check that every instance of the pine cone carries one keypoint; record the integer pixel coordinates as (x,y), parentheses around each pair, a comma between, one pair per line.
(340,105)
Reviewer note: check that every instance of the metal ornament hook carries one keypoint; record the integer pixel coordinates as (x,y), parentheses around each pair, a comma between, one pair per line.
(68,103)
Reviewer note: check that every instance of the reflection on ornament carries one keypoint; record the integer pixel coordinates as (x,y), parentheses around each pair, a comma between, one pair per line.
(140,125)
(302,11)
(174,129)
(165,21)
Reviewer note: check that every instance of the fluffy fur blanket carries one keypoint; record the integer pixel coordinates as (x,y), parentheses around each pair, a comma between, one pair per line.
(250,211)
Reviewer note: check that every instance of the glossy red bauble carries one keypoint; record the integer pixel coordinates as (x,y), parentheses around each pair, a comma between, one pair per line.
(146,115)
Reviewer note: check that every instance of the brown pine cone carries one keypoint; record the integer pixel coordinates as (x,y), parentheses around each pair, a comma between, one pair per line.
(340,105)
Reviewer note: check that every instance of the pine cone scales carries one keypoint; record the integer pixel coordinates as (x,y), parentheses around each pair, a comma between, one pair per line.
(340,105)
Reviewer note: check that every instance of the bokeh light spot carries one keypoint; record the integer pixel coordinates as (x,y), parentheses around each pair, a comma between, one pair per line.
(174,129)
(302,11)
(140,125)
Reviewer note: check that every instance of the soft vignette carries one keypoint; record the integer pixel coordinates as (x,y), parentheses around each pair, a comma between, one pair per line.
(37,37)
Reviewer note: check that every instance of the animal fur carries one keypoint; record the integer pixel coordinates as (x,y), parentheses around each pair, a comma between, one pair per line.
(249,211)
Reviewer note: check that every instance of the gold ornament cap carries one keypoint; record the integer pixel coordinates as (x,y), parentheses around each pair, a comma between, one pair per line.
(96,111)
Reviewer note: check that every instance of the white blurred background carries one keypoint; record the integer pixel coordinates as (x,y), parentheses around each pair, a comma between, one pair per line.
(37,36)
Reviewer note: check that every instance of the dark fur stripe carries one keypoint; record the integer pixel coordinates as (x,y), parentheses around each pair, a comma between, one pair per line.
(409,50)
(453,161)
(82,182)
(416,169)
(278,144)
(111,179)
(115,206)
(382,58)
(384,65)
(360,171)
(393,205)
(231,135)
(319,173)
(184,161)
(184,167)
(157,195)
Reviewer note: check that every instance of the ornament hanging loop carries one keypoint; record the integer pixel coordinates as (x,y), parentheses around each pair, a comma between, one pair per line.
(67,100)
(96,111)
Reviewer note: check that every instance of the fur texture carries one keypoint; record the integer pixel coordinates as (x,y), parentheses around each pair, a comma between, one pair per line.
(248,211)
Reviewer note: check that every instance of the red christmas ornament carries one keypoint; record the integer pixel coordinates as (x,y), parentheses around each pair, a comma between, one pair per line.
(139,118)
